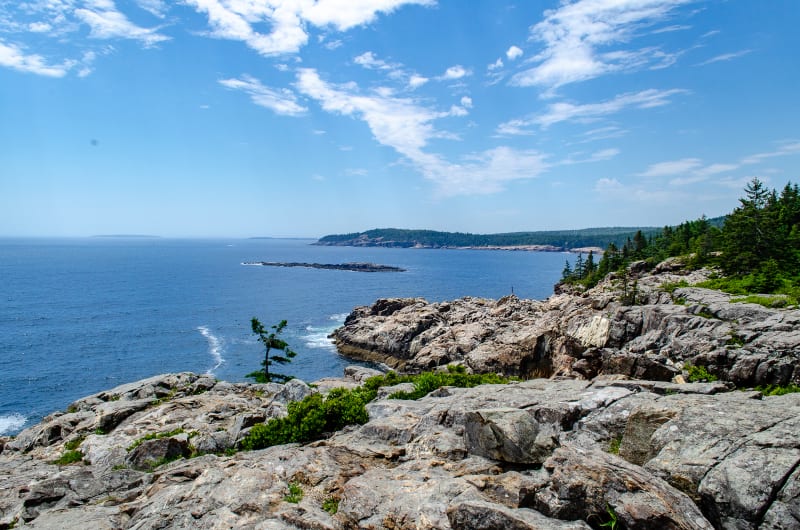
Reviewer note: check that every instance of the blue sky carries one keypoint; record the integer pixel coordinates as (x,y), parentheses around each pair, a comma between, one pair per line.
(308,117)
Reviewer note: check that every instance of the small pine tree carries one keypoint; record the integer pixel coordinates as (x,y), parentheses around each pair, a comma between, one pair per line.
(271,341)
(566,274)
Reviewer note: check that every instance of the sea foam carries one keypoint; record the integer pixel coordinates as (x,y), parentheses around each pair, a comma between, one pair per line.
(317,337)
(216,347)
(11,423)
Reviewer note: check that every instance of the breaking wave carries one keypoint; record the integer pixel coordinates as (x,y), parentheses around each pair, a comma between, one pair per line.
(11,423)
(216,347)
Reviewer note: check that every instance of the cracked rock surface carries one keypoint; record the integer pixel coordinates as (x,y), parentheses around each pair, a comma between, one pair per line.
(527,455)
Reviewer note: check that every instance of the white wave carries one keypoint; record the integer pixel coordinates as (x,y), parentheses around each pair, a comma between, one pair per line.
(216,346)
(11,423)
(339,317)
(317,338)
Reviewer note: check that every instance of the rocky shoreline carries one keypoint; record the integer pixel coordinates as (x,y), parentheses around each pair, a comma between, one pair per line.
(585,334)
(603,428)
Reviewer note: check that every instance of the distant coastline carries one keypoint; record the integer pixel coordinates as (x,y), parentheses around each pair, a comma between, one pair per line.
(354,267)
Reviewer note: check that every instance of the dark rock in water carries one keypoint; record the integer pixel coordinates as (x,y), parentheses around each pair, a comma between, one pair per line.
(356,267)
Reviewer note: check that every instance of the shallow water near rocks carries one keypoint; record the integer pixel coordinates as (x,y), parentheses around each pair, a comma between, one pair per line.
(83,315)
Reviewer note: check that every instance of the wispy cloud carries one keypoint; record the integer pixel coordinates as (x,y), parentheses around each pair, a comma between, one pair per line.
(235,19)
(12,56)
(563,111)
(574,35)
(725,57)
(785,149)
(281,101)
(407,126)
(107,22)
(673,167)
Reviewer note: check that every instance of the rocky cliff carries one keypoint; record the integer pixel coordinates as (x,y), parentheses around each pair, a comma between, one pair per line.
(576,334)
(538,454)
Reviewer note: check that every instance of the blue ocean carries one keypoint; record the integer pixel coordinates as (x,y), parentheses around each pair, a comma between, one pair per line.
(82,315)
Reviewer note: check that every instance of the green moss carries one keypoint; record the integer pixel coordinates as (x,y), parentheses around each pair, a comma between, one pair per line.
(69,457)
(295,493)
(734,340)
(699,373)
(705,313)
(331,505)
(153,436)
(71,409)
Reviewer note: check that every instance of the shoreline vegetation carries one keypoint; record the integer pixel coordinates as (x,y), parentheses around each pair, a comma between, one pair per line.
(582,240)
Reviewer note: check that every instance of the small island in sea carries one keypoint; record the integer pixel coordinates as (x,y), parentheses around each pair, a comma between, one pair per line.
(356,267)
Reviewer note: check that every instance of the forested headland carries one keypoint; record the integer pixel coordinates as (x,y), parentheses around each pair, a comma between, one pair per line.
(756,248)
(556,239)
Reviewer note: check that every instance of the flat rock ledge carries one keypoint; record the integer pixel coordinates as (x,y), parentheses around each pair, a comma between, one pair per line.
(538,454)
(585,334)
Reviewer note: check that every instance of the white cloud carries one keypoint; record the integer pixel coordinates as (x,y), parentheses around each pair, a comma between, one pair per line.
(234,19)
(788,148)
(39,27)
(604,154)
(673,167)
(107,22)
(607,185)
(495,65)
(416,81)
(455,72)
(573,34)
(281,101)
(368,60)
(12,56)
(562,111)
(514,52)
(670,29)
(407,127)
(157,8)
(725,57)
(466,102)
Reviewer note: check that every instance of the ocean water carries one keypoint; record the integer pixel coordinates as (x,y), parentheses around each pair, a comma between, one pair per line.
(78,316)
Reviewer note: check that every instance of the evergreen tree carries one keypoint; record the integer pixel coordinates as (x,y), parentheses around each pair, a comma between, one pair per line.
(566,274)
(271,341)
(579,269)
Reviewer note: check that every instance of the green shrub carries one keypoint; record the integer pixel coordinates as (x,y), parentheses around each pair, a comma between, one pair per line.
(69,457)
(699,373)
(331,505)
(295,493)
(316,415)
(778,390)
(773,302)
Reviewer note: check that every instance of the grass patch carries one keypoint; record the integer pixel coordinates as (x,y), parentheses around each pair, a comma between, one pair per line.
(769,301)
(72,409)
(705,313)
(331,505)
(161,462)
(314,416)
(613,445)
(153,436)
(74,443)
(669,287)
(734,340)
(295,493)
(69,457)
(778,390)
(699,374)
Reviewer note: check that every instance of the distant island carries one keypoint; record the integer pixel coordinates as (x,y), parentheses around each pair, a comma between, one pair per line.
(356,267)
(554,241)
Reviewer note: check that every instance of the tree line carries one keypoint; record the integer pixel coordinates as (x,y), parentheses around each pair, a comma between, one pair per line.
(757,247)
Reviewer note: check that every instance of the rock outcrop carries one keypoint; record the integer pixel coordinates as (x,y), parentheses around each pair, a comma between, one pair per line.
(585,334)
(543,453)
